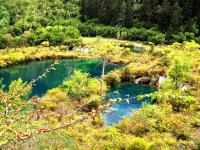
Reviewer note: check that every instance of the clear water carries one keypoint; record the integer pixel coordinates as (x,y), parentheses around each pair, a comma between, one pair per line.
(121,110)
(32,70)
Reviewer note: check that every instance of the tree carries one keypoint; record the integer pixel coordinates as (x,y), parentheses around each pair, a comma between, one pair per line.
(129,15)
(57,35)
(171,90)
(148,12)
(122,14)
(176,18)
(80,86)
(180,70)
(106,52)
(164,15)
(4,17)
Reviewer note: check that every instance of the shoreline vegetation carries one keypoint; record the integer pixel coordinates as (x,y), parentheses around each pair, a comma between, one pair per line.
(143,67)
(145,64)
(11,56)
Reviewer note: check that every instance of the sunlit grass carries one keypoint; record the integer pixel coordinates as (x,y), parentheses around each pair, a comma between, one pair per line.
(152,61)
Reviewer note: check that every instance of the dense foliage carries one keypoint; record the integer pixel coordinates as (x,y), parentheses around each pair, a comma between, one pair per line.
(168,16)
(32,22)
(145,20)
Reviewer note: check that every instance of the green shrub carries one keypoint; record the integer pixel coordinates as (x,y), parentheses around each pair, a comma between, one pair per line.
(180,37)
(178,99)
(45,43)
(53,140)
(98,121)
(21,94)
(80,86)
(57,35)
(106,139)
(180,70)
(140,34)
(113,78)
(148,118)
(4,17)
(137,144)
(158,145)
(17,30)
(6,40)
(53,98)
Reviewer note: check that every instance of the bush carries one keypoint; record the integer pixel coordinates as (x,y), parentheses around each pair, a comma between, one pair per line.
(180,126)
(57,35)
(53,98)
(135,34)
(98,121)
(148,118)
(106,139)
(6,40)
(113,78)
(53,140)
(23,40)
(80,86)
(45,43)
(86,30)
(180,70)
(137,144)
(178,99)
(4,17)
(158,145)
(148,35)
(23,93)
(140,34)
(179,37)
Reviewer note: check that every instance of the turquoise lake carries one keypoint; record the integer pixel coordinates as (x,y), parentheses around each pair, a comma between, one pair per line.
(32,70)
(124,109)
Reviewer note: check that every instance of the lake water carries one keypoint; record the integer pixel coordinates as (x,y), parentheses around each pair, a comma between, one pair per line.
(32,70)
(124,109)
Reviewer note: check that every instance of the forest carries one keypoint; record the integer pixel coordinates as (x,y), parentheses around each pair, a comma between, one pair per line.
(100,74)
(23,22)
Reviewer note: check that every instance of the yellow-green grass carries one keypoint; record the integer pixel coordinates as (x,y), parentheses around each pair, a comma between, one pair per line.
(164,126)
(152,62)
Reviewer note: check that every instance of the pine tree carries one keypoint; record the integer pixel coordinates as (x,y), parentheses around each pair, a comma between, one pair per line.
(176,17)
(146,12)
(122,15)
(104,16)
(84,10)
(164,16)
(129,15)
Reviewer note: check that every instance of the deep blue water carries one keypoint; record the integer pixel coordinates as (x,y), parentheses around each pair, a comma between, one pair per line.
(32,70)
(123,109)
